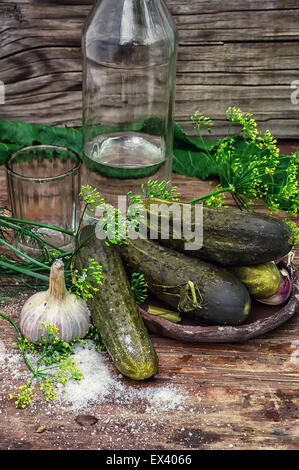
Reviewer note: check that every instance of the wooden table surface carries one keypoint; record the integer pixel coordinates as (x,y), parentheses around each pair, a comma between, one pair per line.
(238,396)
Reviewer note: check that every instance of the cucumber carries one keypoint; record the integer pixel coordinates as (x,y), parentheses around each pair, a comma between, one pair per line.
(230,237)
(261,280)
(199,290)
(115,313)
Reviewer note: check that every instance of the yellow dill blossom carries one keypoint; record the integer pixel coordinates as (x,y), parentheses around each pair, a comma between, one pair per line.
(295,229)
(53,364)
(248,124)
(47,387)
(91,197)
(201,121)
(250,167)
(25,395)
(216,200)
(51,332)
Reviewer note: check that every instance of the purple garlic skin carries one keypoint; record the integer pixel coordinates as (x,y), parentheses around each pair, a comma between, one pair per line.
(56,307)
(283,292)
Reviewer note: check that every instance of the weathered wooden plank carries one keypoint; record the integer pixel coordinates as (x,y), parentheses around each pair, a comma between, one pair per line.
(28,22)
(228,52)
(39,101)
(38,96)
(287,131)
(221,59)
(248,78)
(192,7)
(39,28)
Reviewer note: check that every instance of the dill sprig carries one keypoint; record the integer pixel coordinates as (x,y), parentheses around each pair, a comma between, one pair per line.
(115,225)
(116,228)
(87,283)
(91,197)
(139,287)
(160,189)
(250,167)
(50,362)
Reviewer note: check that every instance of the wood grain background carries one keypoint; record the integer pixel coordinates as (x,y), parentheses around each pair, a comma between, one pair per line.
(230,53)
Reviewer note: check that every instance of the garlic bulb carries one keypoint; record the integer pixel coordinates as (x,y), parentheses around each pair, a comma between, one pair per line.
(57,307)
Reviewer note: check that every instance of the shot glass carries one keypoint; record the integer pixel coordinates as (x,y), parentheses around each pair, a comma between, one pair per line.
(43,184)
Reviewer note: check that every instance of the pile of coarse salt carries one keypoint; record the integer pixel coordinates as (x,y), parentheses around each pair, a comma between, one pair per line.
(98,385)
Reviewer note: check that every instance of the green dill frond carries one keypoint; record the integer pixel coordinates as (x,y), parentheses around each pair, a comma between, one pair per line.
(160,189)
(51,363)
(89,281)
(91,197)
(250,167)
(114,225)
(139,287)
(201,121)
(295,229)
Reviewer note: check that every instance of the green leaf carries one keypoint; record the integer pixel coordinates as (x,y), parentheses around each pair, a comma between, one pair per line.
(6,150)
(21,134)
(190,156)
(182,141)
(17,132)
(193,164)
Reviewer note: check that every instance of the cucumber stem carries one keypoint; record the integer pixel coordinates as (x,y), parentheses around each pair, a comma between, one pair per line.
(193,293)
(164,313)
(193,302)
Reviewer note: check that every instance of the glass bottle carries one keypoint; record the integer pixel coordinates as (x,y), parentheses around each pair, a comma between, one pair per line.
(129,66)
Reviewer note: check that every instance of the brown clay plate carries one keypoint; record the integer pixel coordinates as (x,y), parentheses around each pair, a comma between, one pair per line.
(262,318)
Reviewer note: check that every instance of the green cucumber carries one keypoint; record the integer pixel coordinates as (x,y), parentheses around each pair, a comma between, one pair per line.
(261,280)
(230,237)
(115,313)
(199,290)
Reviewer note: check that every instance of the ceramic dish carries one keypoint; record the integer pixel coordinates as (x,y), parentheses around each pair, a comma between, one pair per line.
(262,318)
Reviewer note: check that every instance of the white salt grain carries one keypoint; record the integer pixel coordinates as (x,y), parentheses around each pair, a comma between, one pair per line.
(95,385)
(2,351)
(98,385)
(160,399)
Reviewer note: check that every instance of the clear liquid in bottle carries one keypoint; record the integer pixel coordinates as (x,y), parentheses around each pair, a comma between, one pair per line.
(129,49)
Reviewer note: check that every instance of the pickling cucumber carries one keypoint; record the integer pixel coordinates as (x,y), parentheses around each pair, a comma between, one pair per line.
(114,312)
(261,280)
(199,290)
(230,237)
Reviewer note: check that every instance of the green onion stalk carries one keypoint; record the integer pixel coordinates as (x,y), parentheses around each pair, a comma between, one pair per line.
(39,268)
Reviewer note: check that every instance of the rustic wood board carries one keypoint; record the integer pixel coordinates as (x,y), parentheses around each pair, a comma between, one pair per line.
(230,53)
(240,396)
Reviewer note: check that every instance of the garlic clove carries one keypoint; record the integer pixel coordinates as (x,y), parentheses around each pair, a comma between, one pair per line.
(283,292)
(57,307)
